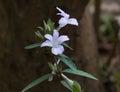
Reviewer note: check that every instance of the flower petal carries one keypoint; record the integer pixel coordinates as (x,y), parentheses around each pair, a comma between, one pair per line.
(55,34)
(46,43)
(73,21)
(62,13)
(60,10)
(63,22)
(58,50)
(63,38)
(49,37)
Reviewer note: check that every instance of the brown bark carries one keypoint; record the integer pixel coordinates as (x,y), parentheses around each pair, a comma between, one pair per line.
(86,52)
(96,17)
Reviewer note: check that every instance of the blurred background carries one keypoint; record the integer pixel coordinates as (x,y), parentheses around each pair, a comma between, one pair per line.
(96,43)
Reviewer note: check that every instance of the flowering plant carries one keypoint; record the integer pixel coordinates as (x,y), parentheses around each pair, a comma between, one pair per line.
(51,38)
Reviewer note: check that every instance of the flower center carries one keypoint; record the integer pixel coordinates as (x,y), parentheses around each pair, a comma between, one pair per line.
(55,44)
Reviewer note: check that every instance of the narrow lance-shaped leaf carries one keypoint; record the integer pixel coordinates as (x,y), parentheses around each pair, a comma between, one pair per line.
(39,34)
(65,84)
(33,45)
(66,45)
(66,60)
(52,67)
(50,24)
(80,73)
(41,29)
(76,87)
(35,82)
(46,26)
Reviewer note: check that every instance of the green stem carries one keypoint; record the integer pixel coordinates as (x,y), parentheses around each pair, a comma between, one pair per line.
(58,28)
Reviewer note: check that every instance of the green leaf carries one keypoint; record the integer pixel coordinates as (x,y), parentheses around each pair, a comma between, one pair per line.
(66,60)
(39,34)
(80,73)
(46,26)
(52,67)
(41,29)
(65,84)
(76,87)
(35,82)
(66,45)
(33,45)
(50,24)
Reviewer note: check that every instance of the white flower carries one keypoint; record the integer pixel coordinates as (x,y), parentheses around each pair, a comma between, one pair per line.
(65,19)
(55,42)
(70,82)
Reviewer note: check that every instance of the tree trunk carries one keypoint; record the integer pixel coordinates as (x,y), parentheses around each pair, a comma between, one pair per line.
(96,16)
(86,53)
